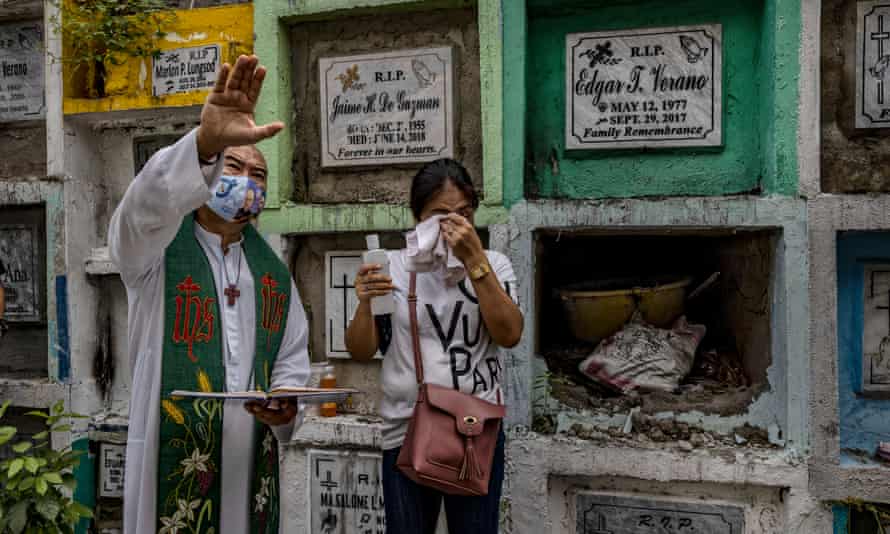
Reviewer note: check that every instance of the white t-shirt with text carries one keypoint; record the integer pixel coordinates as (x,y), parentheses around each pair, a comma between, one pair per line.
(457,350)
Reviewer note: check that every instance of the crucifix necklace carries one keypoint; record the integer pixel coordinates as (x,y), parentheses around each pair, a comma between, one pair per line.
(231,291)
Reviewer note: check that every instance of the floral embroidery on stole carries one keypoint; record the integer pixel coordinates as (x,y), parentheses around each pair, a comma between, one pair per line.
(190,447)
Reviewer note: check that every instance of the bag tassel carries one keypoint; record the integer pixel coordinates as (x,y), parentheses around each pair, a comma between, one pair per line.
(469,462)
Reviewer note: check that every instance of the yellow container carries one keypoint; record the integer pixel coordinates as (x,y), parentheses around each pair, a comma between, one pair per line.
(597,314)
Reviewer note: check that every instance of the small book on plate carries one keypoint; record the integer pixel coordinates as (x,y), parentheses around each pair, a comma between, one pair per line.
(304,395)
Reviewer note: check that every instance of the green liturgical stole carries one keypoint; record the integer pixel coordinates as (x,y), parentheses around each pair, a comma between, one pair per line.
(190,448)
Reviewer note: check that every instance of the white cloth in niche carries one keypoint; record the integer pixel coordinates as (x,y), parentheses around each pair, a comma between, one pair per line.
(427,251)
(172,185)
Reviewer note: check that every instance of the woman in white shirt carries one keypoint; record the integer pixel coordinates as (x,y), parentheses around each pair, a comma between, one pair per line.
(467,310)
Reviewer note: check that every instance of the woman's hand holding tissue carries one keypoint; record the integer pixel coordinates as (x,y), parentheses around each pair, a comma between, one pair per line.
(461,236)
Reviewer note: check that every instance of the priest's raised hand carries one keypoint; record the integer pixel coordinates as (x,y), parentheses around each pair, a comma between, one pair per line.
(227,118)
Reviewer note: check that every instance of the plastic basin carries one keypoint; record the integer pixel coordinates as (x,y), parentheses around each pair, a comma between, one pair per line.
(596,310)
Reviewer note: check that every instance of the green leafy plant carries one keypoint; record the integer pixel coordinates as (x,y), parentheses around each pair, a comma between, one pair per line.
(98,33)
(37,480)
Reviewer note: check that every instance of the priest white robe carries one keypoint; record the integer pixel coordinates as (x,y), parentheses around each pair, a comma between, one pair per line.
(172,185)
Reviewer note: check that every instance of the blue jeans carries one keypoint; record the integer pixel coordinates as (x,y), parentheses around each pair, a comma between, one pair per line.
(414,509)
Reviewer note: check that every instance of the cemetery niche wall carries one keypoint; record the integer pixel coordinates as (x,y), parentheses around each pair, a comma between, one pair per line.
(23,349)
(650,98)
(378,96)
(863,284)
(855,96)
(22,100)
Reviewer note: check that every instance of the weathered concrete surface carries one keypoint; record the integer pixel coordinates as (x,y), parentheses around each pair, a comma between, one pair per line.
(829,215)
(456,28)
(853,161)
(20,9)
(771,487)
(43,344)
(22,150)
(343,432)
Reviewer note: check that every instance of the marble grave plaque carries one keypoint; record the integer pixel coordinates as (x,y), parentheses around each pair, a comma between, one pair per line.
(185,69)
(608,514)
(21,71)
(873,64)
(876,329)
(340,300)
(655,87)
(20,259)
(111,470)
(387,108)
(345,492)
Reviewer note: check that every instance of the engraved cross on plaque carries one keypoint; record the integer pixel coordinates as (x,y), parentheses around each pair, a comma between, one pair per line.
(345,287)
(885,341)
(880,36)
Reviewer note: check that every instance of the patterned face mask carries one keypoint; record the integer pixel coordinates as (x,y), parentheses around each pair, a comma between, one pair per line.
(237,198)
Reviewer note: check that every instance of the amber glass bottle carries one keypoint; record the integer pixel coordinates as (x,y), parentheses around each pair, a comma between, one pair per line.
(328,380)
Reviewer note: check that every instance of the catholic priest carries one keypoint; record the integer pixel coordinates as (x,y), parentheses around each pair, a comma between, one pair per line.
(211,308)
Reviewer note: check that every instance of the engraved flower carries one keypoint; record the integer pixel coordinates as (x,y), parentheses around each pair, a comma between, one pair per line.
(173,412)
(267,442)
(197,463)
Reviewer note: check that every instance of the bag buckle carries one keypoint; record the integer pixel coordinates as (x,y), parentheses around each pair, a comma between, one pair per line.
(470,420)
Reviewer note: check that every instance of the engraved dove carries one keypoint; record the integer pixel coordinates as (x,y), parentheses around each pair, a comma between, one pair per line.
(425,77)
(880,68)
(29,38)
(694,51)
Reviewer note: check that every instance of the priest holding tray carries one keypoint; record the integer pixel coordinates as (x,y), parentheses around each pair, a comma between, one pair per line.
(211,309)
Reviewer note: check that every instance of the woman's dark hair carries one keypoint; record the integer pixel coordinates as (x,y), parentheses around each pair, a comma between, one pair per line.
(431,178)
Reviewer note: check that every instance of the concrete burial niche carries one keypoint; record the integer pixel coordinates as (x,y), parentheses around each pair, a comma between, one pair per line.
(23,349)
(855,151)
(402,34)
(735,46)
(739,391)
(863,260)
(731,362)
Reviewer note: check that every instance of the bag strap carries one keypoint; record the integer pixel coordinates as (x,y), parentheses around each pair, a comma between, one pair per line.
(415,335)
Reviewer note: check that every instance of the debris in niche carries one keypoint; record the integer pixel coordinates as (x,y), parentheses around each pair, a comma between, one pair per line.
(655,432)
(681,369)
(644,357)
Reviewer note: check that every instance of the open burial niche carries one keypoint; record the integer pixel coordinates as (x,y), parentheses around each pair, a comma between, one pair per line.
(676,321)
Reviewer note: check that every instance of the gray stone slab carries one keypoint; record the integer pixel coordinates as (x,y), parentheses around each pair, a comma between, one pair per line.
(873,64)
(111,470)
(654,87)
(608,514)
(21,71)
(22,269)
(183,70)
(387,108)
(876,329)
(340,301)
(345,492)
